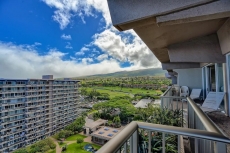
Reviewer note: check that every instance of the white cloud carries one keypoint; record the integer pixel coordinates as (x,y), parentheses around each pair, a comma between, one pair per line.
(82,51)
(86,60)
(68,46)
(95,51)
(102,57)
(125,47)
(67,9)
(135,52)
(22,62)
(37,44)
(66,37)
(73,58)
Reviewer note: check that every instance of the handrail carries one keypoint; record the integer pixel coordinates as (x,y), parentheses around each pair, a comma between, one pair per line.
(166,91)
(184,131)
(174,97)
(208,124)
(117,142)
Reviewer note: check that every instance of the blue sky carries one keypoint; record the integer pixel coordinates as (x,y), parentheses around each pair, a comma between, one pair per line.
(65,38)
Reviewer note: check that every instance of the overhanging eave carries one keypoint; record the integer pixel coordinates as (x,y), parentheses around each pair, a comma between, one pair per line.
(130,11)
(167,66)
(214,10)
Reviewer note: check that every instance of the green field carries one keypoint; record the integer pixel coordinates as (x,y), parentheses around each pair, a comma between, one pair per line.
(61,145)
(112,94)
(133,90)
(116,91)
(74,137)
(77,148)
(51,151)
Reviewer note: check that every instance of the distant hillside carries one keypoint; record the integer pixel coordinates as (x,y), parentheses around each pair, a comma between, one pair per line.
(143,72)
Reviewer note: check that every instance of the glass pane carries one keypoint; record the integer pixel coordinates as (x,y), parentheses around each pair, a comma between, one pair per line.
(220,82)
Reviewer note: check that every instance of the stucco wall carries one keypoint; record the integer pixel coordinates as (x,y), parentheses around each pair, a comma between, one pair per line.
(224,37)
(190,77)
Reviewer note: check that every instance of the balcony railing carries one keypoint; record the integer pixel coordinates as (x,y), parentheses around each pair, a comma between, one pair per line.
(127,140)
(202,133)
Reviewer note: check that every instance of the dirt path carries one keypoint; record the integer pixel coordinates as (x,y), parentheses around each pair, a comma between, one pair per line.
(58,148)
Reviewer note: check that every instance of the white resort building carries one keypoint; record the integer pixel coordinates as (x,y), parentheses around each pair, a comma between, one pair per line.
(32,109)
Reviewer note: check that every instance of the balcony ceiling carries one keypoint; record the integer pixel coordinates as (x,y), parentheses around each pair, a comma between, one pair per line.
(159,38)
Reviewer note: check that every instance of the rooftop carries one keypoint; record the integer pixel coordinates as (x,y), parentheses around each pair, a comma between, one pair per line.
(92,124)
(106,133)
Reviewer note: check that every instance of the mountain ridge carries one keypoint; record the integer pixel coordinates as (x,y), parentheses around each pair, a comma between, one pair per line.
(141,72)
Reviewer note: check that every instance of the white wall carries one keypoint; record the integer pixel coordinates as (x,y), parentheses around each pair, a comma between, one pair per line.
(190,77)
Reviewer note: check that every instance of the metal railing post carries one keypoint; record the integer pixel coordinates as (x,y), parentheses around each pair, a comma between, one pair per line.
(182,118)
(220,147)
(188,114)
(125,147)
(179,143)
(131,144)
(163,142)
(150,142)
(135,142)
(196,146)
(162,103)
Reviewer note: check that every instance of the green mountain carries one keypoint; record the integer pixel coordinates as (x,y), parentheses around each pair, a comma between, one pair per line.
(142,72)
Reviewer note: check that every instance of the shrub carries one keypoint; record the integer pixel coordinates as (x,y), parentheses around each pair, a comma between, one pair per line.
(80,141)
(64,148)
(63,134)
(45,148)
(22,150)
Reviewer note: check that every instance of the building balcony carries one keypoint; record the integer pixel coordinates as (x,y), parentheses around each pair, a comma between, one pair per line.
(12,85)
(12,91)
(202,133)
(11,115)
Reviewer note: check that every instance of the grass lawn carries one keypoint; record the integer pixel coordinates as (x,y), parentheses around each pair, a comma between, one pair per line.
(61,145)
(77,148)
(112,94)
(51,151)
(134,90)
(92,111)
(74,137)
(116,91)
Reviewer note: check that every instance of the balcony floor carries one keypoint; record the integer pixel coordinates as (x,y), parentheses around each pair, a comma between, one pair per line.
(220,119)
(223,122)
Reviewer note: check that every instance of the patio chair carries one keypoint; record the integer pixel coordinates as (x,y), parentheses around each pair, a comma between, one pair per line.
(184,91)
(176,90)
(195,94)
(212,102)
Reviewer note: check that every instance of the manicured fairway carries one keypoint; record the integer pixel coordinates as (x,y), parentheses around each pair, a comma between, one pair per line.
(111,93)
(117,91)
